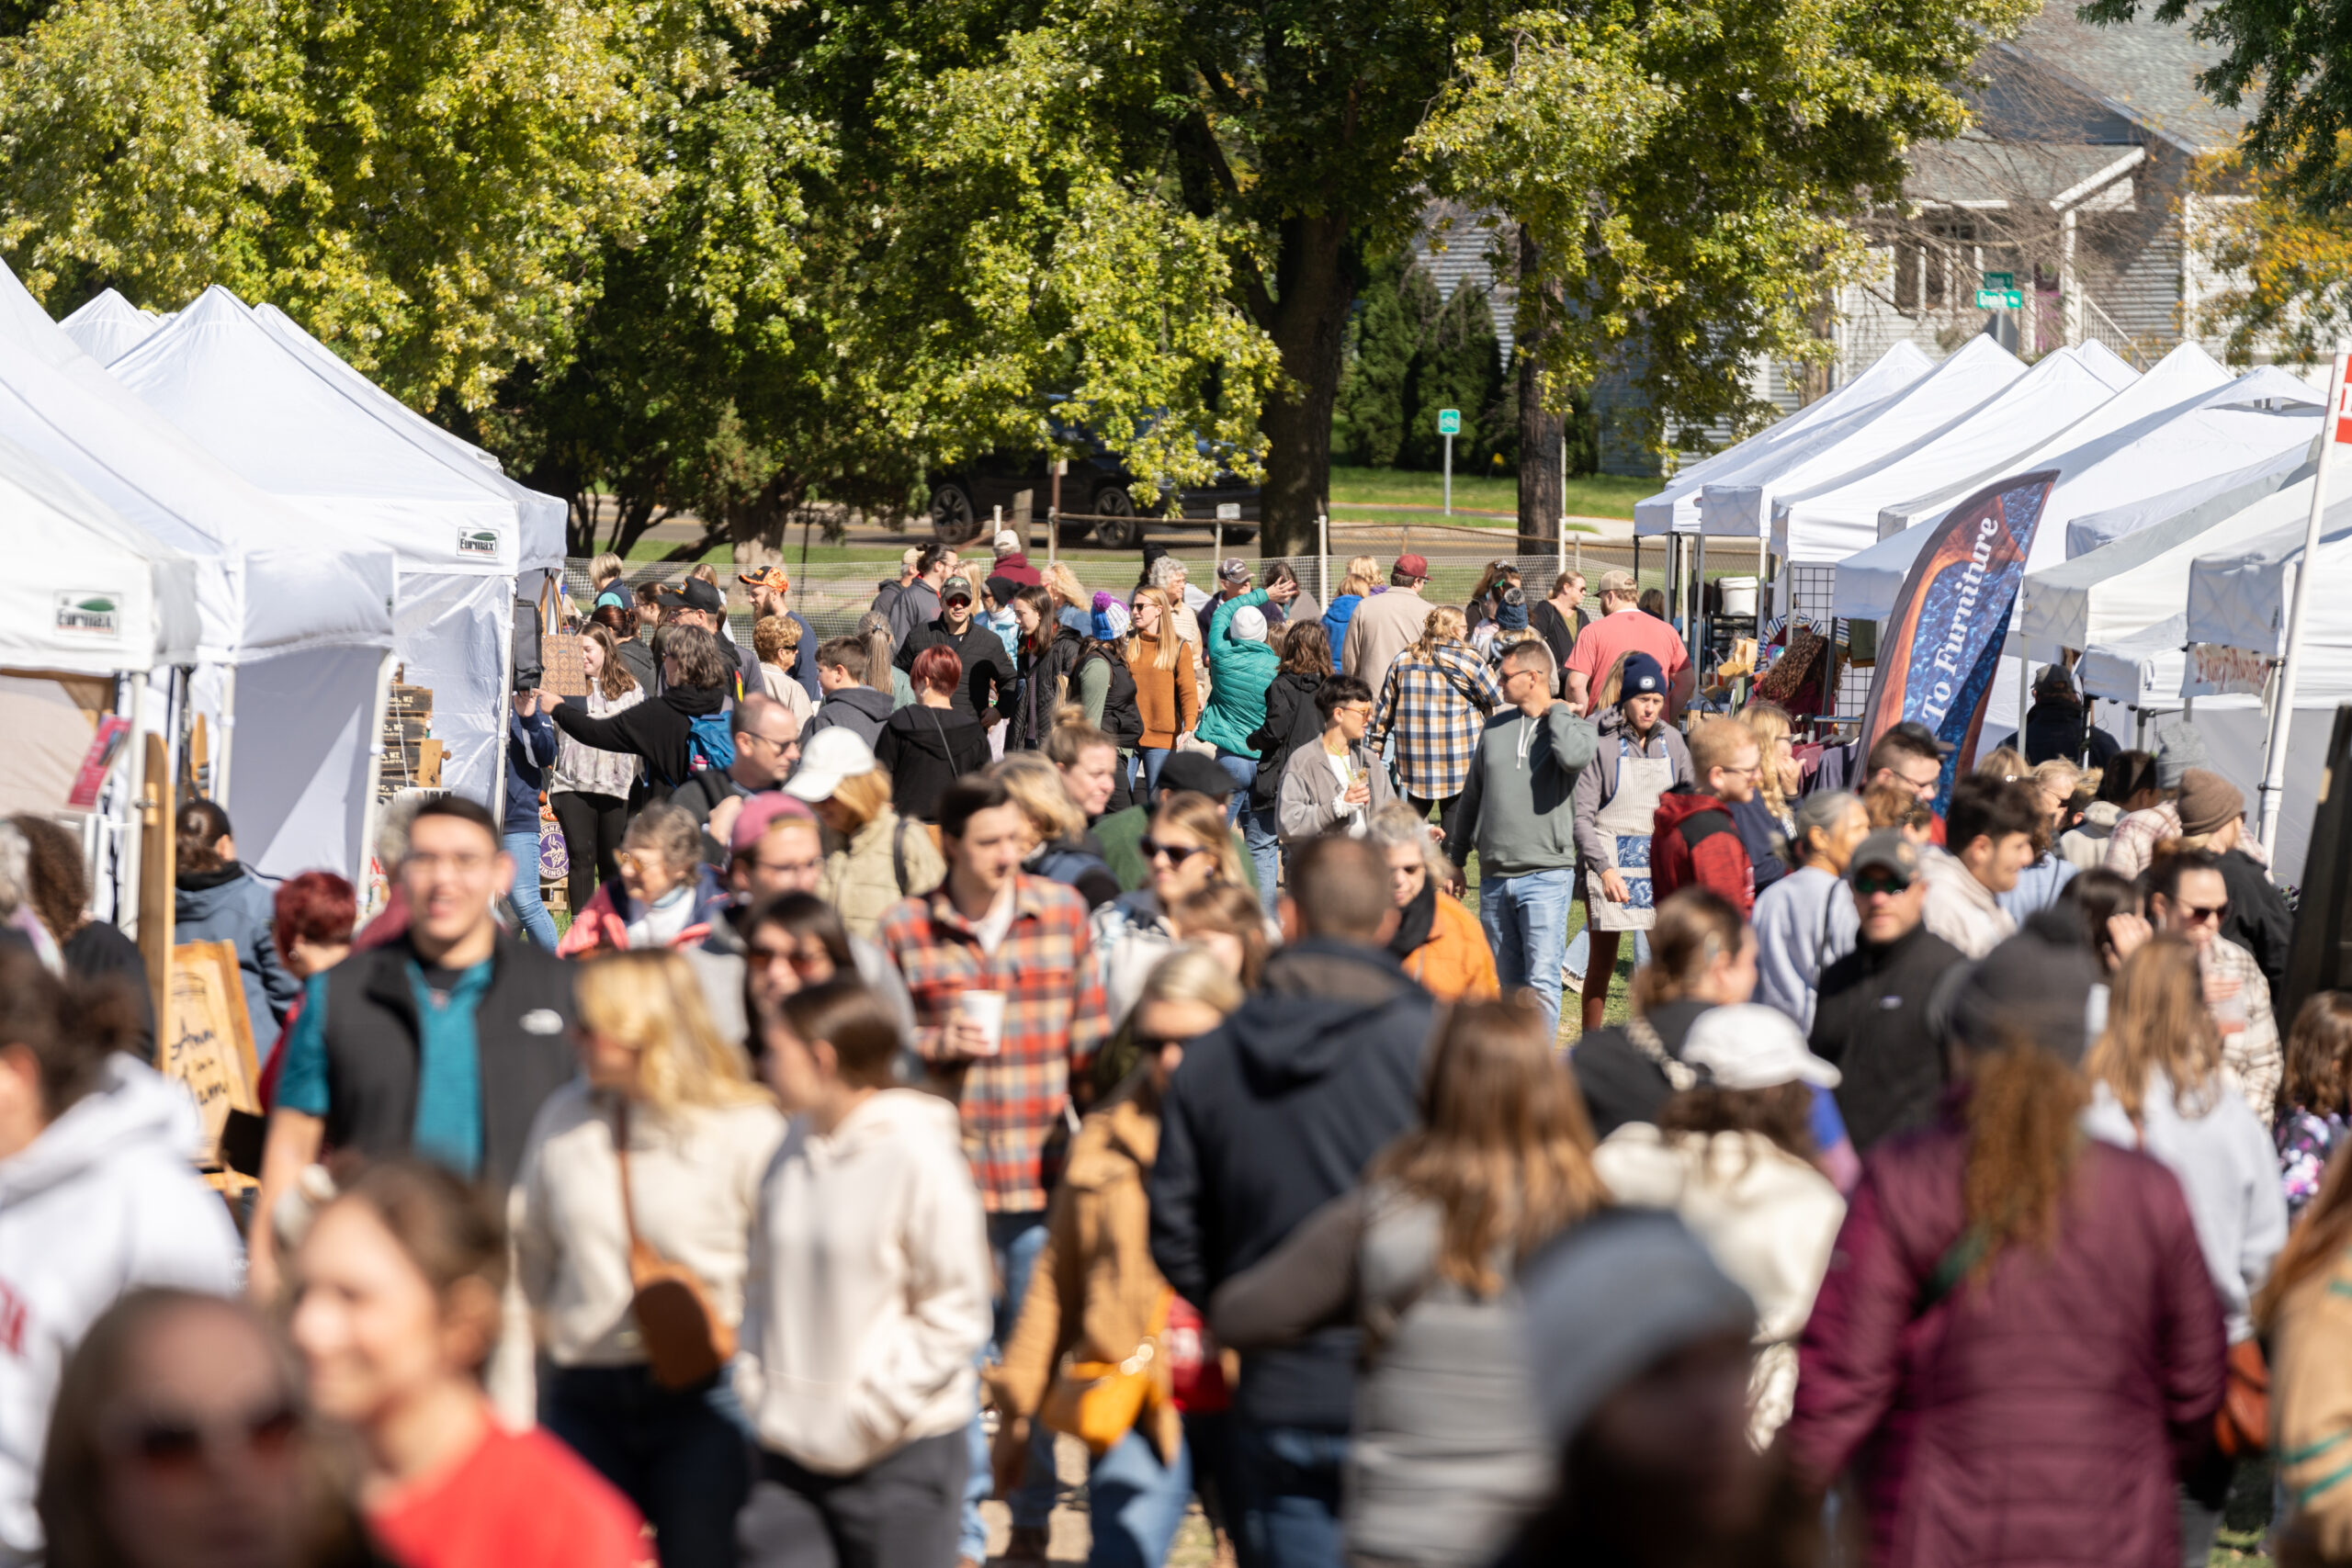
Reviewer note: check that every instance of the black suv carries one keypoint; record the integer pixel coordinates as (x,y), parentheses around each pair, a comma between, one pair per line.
(963,498)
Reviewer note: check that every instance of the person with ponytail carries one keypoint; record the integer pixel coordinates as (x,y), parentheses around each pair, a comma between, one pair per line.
(2018,1333)
(98,1195)
(217,899)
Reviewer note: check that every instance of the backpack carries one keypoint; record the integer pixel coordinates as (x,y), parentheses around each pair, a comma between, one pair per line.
(712,744)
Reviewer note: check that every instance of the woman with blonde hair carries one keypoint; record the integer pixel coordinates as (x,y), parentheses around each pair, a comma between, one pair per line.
(1096,1295)
(881,673)
(876,856)
(1435,701)
(776,640)
(1766,818)
(655,1152)
(1166,693)
(1188,848)
(1361,579)
(1447,1453)
(589,788)
(1064,850)
(2157,1086)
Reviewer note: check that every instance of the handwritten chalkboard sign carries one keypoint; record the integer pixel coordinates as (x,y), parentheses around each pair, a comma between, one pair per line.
(206,1041)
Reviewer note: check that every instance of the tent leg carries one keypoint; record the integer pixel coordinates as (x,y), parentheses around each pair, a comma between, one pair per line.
(372,807)
(1763,584)
(135,788)
(228,736)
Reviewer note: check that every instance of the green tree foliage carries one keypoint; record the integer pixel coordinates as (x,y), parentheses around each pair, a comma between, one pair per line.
(1460,367)
(1392,317)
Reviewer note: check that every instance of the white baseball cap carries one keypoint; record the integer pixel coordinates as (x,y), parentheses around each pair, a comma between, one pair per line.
(1752,1047)
(1006,543)
(831,755)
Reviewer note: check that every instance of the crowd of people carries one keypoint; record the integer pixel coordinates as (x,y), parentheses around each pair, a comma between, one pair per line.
(1049,1018)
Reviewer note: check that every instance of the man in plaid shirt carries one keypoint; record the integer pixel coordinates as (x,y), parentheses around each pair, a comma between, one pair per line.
(2187,897)
(991,928)
(1435,701)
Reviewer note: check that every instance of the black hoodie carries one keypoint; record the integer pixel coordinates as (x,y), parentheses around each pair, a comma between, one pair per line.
(924,749)
(661,729)
(861,709)
(1273,1115)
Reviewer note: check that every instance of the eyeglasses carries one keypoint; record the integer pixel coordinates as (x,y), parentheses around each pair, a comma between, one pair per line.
(1177,853)
(1153,1045)
(1870,886)
(179,1443)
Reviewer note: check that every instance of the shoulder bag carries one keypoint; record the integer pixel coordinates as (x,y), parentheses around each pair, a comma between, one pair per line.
(686,1340)
(1098,1403)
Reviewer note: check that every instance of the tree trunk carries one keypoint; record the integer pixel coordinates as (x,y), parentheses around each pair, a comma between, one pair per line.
(1542,486)
(1315,287)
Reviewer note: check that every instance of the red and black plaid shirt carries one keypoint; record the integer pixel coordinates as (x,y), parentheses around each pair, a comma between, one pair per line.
(1055,1020)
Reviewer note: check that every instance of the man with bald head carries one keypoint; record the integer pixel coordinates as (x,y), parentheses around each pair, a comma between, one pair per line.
(767,736)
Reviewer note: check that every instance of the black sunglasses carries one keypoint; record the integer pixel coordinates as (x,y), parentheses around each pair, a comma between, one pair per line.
(179,1442)
(1869,885)
(1153,1045)
(1177,853)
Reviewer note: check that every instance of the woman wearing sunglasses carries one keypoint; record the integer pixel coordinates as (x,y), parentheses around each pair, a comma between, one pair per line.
(665,1119)
(1106,1298)
(1188,847)
(180,1441)
(99,1197)
(398,1287)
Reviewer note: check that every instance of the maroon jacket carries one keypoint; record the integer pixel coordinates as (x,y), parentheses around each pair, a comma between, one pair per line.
(2034,1418)
(1695,842)
(1017,568)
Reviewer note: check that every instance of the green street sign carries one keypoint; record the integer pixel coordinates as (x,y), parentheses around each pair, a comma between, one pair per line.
(2000,280)
(2000,298)
(1449,421)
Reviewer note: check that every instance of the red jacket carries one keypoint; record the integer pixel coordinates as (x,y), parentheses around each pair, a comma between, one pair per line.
(2032,1416)
(1695,844)
(1016,567)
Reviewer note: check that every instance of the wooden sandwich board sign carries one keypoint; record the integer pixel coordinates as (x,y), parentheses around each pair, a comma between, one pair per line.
(206,1041)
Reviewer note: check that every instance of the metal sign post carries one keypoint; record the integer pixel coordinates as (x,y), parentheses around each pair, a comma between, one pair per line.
(1449,425)
(1054,513)
(2338,432)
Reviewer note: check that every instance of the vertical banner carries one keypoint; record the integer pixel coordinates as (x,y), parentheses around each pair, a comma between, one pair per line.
(1940,649)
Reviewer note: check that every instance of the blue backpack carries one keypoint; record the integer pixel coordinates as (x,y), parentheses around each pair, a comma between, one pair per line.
(712,745)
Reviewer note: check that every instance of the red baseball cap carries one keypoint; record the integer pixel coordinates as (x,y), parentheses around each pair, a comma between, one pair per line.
(1413,566)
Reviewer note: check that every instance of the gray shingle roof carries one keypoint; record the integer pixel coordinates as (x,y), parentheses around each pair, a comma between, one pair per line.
(1975,171)
(2142,68)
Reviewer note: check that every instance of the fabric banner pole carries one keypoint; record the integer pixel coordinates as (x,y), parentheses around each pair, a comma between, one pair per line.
(2274,764)
(371,806)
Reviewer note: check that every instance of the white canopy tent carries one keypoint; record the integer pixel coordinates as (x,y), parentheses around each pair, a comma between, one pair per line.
(2263,414)
(295,627)
(243,395)
(544,517)
(1675,509)
(2238,597)
(1976,375)
(110,326)
(88,596)
(1833,520)
(2142,672)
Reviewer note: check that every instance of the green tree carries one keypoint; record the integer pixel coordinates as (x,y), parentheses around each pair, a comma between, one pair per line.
(1460,367)
(1392,317)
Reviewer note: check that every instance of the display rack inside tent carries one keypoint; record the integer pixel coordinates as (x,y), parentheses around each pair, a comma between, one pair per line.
(411,757)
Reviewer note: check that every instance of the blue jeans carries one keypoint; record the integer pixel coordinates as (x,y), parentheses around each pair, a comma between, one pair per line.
(1257,828)
(1526,917)
(1015,1240)
(1136,1504)
(683,1456)
(1286,1495)
(1154,759)
(537,925)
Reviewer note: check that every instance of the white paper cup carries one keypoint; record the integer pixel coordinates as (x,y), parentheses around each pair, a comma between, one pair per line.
(986,1009)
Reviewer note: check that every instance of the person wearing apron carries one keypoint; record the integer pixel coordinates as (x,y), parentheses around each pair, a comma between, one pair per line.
(1641,757)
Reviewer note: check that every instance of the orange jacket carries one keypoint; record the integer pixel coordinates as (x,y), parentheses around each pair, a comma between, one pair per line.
(1455,962)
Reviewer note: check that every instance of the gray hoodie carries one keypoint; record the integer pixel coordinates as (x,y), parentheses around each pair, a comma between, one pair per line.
(1516,808)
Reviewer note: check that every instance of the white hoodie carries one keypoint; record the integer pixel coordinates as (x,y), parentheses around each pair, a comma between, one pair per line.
(103,1201)
(870,1285)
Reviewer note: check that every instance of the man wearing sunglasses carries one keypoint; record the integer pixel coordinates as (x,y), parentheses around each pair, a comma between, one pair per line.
(2187,897)
(1871,1021)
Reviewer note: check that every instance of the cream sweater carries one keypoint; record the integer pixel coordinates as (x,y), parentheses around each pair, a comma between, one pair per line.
(870,1287)
(695,1186)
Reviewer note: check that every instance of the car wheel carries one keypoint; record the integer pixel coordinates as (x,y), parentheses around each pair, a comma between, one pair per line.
(954,519)
(1120,529)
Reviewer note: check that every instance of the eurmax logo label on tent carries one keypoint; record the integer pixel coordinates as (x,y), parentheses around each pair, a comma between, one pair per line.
(91,612)
(479,543)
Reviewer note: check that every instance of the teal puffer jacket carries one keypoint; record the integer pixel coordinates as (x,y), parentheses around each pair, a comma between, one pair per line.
(1239,673)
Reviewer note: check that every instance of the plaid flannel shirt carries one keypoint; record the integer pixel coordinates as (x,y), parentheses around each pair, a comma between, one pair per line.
(2252,1055)
(1437,708)
(2132,847)
(1055,1020)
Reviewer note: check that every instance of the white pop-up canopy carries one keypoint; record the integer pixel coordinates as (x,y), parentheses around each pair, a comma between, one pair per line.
(1975,375)
(2134,579)
(110,326)
(253,402)
(1834,520)
(2262,414)
(2141,672)
(85,593)
(303,628)
(543,539)
(1675,509)
(2238,597)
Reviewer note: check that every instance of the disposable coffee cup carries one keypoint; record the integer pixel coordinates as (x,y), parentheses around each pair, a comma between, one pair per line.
(986,1009)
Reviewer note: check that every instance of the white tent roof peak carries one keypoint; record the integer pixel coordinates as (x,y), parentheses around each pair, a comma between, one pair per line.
(109,326)
(239,392)
(86,591)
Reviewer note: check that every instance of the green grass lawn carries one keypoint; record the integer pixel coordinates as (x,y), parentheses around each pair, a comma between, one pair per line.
(1594,495)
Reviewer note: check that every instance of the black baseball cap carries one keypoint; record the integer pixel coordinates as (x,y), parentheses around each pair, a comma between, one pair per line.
(694,593)
(1191,770)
